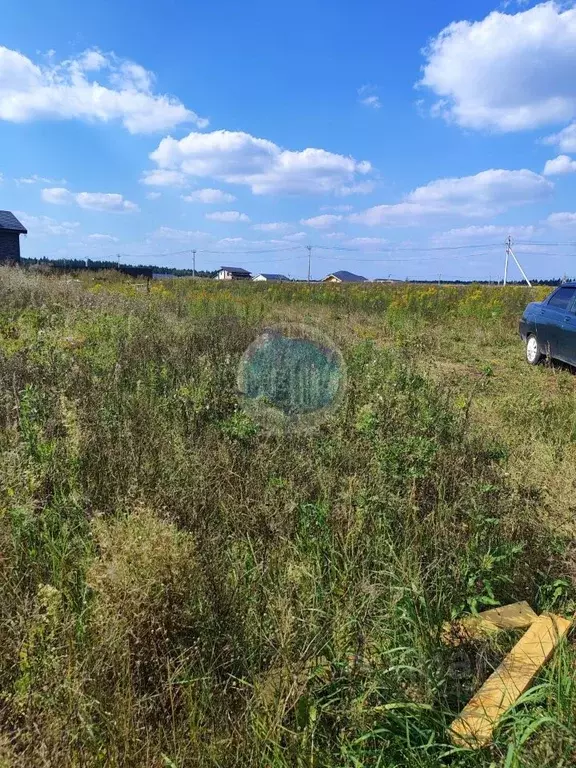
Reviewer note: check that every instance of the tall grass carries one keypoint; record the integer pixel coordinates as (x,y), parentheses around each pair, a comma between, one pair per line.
(180,588)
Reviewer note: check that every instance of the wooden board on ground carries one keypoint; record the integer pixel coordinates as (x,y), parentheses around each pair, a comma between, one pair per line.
(476,723)
(513,616)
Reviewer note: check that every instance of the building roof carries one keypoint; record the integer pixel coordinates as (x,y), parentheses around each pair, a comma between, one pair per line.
(237,270)
(10,222)
(347,277)
(269,276)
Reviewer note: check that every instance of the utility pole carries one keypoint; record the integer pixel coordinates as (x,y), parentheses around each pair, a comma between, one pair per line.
(508,248)
(117,261)
(309,247)
(194,263)
(510,252)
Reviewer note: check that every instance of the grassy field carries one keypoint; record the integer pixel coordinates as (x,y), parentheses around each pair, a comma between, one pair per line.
(180,588)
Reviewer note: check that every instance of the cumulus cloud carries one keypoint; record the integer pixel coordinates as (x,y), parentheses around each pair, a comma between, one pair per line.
(235,157)
(96,201)
(367,243)
(273,226)
(153,195)
(296,237)
(482,234)
(35,179)
(227,216)
(368,97)
(485,194)
(233,243)
(338,208)
(559,165)
(102,238)
(565,139)
(92,86)
(180,235)
(163,178)
(507,72)
(323,221)
(209,196)
(561,220)
(39,226)
(57,196)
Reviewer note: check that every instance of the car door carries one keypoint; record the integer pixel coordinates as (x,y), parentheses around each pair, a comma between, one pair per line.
(567,334)
(551,316)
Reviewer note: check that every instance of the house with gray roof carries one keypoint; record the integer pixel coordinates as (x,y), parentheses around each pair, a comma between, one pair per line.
(233,273)
(342,276)
(268,277)
(10,231)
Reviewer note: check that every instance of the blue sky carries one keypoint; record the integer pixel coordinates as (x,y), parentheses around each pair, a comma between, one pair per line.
(397,139)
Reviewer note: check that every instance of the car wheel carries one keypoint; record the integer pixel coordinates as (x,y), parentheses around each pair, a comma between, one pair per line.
(533,354)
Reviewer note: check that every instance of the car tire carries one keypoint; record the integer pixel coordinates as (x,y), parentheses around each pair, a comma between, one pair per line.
(533,353)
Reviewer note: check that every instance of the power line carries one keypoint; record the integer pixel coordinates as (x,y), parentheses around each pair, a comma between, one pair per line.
(241,253)
(423,248)
(403,260)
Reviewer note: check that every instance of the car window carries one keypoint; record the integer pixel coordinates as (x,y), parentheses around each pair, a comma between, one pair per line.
(562,298)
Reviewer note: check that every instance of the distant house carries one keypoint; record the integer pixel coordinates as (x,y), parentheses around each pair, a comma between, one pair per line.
(387,280)
(233,273)
(265,276)
(10,231)
(344,277)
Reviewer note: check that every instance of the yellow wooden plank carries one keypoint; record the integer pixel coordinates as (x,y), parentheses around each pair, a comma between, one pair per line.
(476,722)
(514,616)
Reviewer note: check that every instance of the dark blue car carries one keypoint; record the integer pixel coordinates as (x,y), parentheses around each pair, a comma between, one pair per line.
(549,327)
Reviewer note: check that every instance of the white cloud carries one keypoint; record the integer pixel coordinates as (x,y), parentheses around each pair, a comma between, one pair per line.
(482,234)
(335,235)
(163,178)
(153,195)
(232,241)
(273,226)
(103,201)
(39,226)
(35,179)
(101,238)
(209,196)
(338,208)
(227,216)
(565,139)
(368,97)
(180,235)
(96,201)
(559,165)
(561,220)
(368,243)
(237,242)
(57,196)
(323,221)
(507,72)
(238,158)
(92,86)
(485,194)
(295,237)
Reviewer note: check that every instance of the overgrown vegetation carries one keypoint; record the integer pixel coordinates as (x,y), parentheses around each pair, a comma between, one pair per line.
(180,588)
